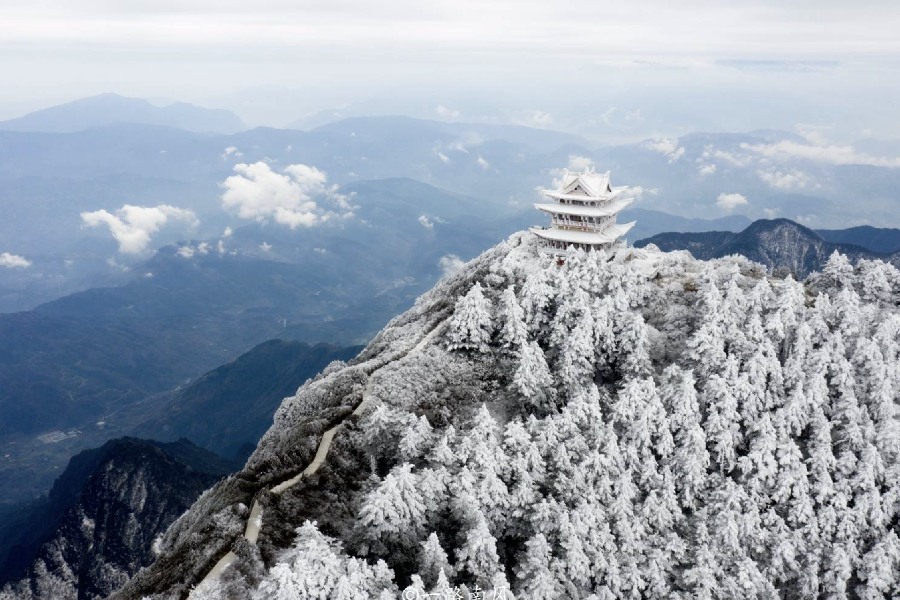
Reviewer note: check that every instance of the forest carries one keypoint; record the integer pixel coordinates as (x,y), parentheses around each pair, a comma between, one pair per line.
(633,424)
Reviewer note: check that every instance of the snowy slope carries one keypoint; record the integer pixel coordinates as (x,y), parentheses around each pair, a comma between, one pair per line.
(636,425)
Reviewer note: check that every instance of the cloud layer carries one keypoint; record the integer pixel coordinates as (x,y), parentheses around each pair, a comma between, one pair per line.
(14,261)
(133,226)
(829,154)
(290,198)
(730,201)
(667,147)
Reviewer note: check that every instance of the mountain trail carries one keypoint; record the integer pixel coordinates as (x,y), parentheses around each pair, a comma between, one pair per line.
(255,519)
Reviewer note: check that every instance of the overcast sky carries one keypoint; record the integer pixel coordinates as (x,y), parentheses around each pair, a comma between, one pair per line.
(276,60)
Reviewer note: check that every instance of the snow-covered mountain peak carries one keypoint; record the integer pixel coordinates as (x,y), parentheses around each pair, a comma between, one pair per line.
(637,423)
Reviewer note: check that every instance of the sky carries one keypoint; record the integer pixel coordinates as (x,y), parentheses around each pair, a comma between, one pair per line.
(614,70)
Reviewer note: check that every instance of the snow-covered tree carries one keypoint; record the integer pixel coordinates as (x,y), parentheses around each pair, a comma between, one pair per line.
(433,559)
(534,573)
(471,326)
(393,514)
(533,380)
(478,554)
(513,333)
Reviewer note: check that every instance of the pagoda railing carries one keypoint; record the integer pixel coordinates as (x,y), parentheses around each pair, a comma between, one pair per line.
(577,225)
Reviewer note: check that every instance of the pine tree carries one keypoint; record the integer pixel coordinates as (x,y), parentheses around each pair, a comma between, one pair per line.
(433,560)
(442,588)
(723,420)
(706,347)
(513,333)
(703,574)
(393,514)
(534,574)
(879,569)
(471,325)
(691,460)
(416,440)
(838,272)
(478,555)
(533,379)
(574,564)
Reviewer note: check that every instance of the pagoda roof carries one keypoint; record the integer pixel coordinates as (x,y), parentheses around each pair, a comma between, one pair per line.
(561,195)
(591,183)
(607,236)
(610,208)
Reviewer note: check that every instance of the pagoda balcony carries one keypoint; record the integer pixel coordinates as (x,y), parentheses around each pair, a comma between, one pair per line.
(580,225)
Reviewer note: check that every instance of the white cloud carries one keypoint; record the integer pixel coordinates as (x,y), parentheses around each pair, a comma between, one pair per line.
(466,140)
(425,222)
(707,169)
(228,232)
(14,261)
(450,264)
(738,160)
(580,163)
(784,180)
(189,251)
(231,151)
(446,113)
(532,118)
(265,246)
(112,263)
(290,198)
(319,250)
(437,152)
(606,115)
(637,192)
(133,226)
(814,134)
(483,163)
(834,155)
(730,201)
(667,147)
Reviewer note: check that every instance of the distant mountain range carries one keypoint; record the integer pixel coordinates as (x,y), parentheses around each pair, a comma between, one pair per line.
(111,109)
(82,365)
(131,489)
(781,244)
(884,241)
(652,222)
(48,179)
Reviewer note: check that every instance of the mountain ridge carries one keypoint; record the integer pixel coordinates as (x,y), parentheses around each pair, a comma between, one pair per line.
(105,509)
(779,244)
(109,108)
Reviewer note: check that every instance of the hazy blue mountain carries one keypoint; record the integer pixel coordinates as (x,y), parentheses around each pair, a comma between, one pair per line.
(653,222)
(885,241)
(82,359)
(98,524)
(378,129)
(47,179)
(779,244)
(109,109)
(228,409)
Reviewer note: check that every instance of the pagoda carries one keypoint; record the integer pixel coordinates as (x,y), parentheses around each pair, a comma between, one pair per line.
(583,212)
